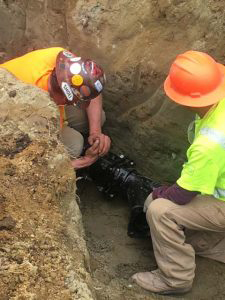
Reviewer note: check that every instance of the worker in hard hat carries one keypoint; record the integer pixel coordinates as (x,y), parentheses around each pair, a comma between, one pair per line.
(75,84)
(188,217)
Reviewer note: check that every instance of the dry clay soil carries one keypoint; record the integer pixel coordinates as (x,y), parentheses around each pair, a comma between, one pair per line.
(115,256)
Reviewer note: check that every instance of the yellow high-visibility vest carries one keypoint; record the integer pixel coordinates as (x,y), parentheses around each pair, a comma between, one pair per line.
(205,169)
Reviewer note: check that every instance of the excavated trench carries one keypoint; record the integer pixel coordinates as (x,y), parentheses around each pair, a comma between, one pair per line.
(141,122)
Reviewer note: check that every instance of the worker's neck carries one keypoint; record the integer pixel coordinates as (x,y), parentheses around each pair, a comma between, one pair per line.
(201,111)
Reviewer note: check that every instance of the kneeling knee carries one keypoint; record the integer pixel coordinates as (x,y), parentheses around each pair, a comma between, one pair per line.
(157,209)
(72,140)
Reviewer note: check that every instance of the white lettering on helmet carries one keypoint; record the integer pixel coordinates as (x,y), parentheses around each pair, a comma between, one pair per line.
(98,86)
(67,91)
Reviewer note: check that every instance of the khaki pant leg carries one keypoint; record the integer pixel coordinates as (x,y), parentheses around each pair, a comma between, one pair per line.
(207,244)
(167,220)
(72,140)
(77,118)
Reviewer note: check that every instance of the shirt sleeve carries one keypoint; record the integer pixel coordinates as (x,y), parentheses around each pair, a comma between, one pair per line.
(175,193)
(200,173)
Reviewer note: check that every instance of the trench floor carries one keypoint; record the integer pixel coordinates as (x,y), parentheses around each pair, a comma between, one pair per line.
(115,257)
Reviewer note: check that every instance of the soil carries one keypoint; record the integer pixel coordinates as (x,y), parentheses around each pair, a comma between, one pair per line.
(42,252)
(115,257)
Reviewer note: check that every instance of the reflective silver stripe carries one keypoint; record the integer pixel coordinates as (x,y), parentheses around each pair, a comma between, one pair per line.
(219,193)
(214,135)
(191,132)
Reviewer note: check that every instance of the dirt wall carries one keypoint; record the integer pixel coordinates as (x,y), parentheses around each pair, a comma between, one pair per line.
(135,41)
(42,251)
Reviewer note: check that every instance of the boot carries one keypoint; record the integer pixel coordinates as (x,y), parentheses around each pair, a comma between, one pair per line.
(153,282)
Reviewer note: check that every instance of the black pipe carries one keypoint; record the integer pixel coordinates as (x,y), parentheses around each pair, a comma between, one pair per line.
(115,175)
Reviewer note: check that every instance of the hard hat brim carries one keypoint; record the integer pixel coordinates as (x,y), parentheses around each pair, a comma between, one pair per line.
(201,101)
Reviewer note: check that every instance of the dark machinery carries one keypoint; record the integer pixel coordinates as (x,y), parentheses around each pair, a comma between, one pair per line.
(115,175)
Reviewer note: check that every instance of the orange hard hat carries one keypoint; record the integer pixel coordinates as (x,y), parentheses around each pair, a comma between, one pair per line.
(195,79)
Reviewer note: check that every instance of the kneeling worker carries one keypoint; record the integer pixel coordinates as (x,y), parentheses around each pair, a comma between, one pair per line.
(188,217)
(75,84)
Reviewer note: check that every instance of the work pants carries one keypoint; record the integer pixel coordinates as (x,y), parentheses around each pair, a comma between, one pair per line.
(71,135)
(180,231)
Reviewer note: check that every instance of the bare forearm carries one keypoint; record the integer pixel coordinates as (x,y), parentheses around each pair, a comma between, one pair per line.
(94,112)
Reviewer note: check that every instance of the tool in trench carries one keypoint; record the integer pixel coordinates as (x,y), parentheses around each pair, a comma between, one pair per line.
(115,175)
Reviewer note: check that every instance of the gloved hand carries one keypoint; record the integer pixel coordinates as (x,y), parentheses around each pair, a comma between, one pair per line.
(147,203)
